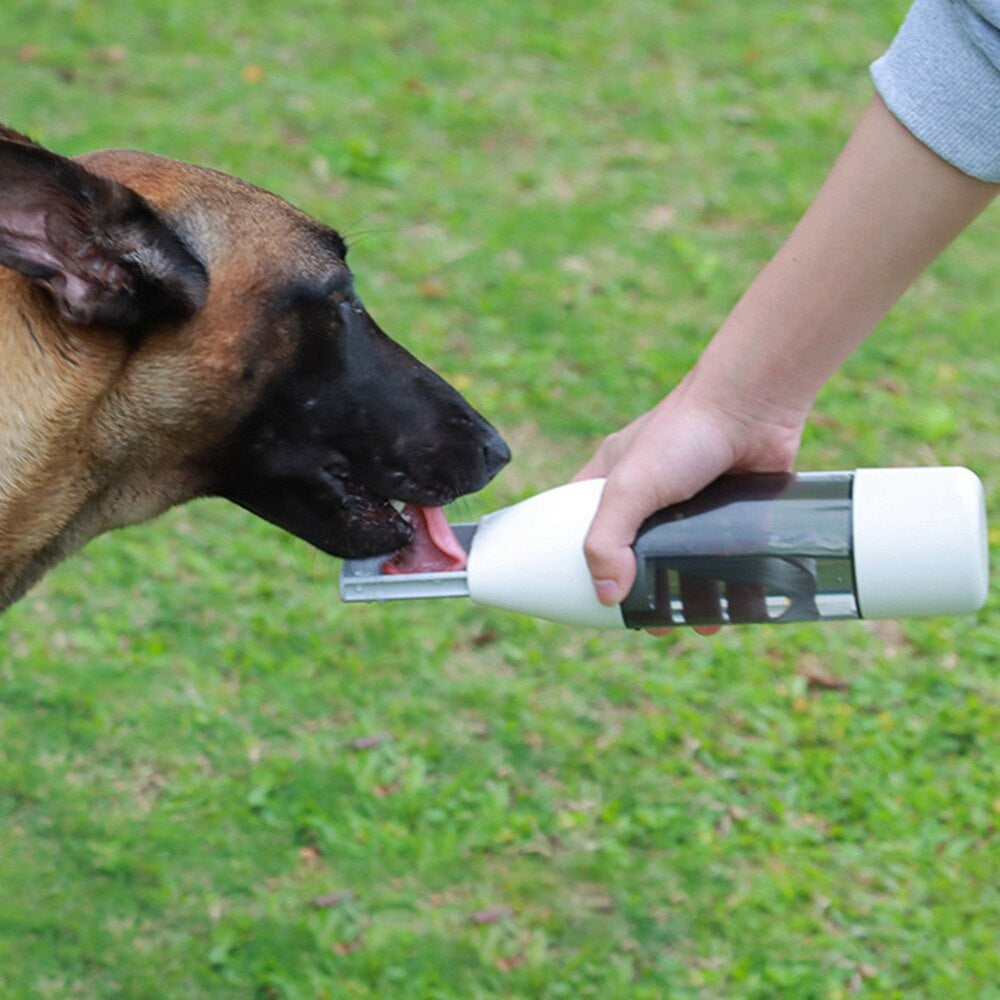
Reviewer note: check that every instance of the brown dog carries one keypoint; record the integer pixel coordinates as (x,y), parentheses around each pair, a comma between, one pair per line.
(167,332)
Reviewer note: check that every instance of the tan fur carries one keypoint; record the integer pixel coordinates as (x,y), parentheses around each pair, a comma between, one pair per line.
(98,431)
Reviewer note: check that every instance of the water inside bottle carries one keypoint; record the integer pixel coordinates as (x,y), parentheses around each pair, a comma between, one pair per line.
(749,548)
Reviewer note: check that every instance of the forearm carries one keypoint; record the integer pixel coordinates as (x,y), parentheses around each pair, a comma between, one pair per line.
(887,209)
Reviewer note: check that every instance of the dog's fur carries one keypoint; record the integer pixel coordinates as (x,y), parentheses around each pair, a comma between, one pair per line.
(168,331)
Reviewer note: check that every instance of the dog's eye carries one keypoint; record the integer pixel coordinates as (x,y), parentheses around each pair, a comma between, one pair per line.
(345,296)
(340,287)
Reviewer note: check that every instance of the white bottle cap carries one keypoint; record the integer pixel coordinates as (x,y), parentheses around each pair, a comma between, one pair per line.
(529,558)
(919,539)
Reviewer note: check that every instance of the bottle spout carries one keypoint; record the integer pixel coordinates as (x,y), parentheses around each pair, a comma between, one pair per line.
(366,579)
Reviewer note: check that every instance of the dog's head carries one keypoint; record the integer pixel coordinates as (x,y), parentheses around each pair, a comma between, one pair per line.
(196,335)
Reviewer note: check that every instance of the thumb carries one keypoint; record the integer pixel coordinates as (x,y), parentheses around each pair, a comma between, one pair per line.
(608,545)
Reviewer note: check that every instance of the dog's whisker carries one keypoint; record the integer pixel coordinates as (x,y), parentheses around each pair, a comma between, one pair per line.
(235,378)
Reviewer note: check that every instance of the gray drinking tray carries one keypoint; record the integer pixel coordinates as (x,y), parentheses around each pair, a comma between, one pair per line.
(362,579)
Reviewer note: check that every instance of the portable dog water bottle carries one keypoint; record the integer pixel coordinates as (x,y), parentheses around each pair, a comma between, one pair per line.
(875,543)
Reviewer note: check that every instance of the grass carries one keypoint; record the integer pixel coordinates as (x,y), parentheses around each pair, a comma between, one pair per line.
(216,781)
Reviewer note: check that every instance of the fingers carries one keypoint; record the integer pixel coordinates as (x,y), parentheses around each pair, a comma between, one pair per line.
(594,469)
(610,451)
(662,458)
(608,545)
(667,455)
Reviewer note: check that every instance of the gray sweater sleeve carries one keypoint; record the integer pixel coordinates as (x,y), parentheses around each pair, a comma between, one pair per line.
(941,79)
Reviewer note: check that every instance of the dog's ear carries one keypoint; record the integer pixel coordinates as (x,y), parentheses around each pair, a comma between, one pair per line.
(97,247)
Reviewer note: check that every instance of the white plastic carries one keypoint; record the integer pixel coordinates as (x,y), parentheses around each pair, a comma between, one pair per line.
(529,558)
(920,544)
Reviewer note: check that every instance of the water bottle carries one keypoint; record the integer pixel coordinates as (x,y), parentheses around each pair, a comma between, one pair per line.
(774,548)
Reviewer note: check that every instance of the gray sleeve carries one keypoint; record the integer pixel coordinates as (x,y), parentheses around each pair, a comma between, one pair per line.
(941,79)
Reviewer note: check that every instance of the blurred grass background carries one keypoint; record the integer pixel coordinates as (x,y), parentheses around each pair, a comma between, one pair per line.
(216,781)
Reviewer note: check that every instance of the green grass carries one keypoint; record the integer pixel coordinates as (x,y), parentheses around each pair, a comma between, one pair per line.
(553,203)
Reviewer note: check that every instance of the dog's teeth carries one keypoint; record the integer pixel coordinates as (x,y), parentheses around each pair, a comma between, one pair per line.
(398,505)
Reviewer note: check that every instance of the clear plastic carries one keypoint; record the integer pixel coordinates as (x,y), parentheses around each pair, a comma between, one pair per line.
(750,548)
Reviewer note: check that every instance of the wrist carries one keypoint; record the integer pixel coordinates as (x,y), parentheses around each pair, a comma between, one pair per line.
(759,410)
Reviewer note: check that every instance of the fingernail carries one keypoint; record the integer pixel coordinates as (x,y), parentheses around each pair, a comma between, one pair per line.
(608,591)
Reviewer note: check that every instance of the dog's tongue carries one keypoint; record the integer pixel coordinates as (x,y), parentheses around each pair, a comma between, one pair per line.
(434,548)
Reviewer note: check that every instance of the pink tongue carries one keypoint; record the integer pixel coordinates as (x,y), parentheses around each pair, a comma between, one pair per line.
(434,548)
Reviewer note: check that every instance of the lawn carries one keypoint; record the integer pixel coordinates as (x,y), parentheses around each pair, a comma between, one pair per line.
(217,781)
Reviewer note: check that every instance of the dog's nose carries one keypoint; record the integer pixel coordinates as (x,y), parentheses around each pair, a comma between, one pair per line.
(496,454)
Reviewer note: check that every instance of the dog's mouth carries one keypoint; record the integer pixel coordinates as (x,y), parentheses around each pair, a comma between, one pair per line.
(433,548)
(412,532)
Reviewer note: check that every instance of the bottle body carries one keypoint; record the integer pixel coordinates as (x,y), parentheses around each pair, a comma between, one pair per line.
(750,548)
(873,543)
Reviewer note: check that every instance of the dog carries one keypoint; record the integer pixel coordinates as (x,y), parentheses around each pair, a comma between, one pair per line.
(168,332)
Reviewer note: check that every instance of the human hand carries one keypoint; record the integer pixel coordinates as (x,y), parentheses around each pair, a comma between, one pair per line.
(888,208)
(666,456)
